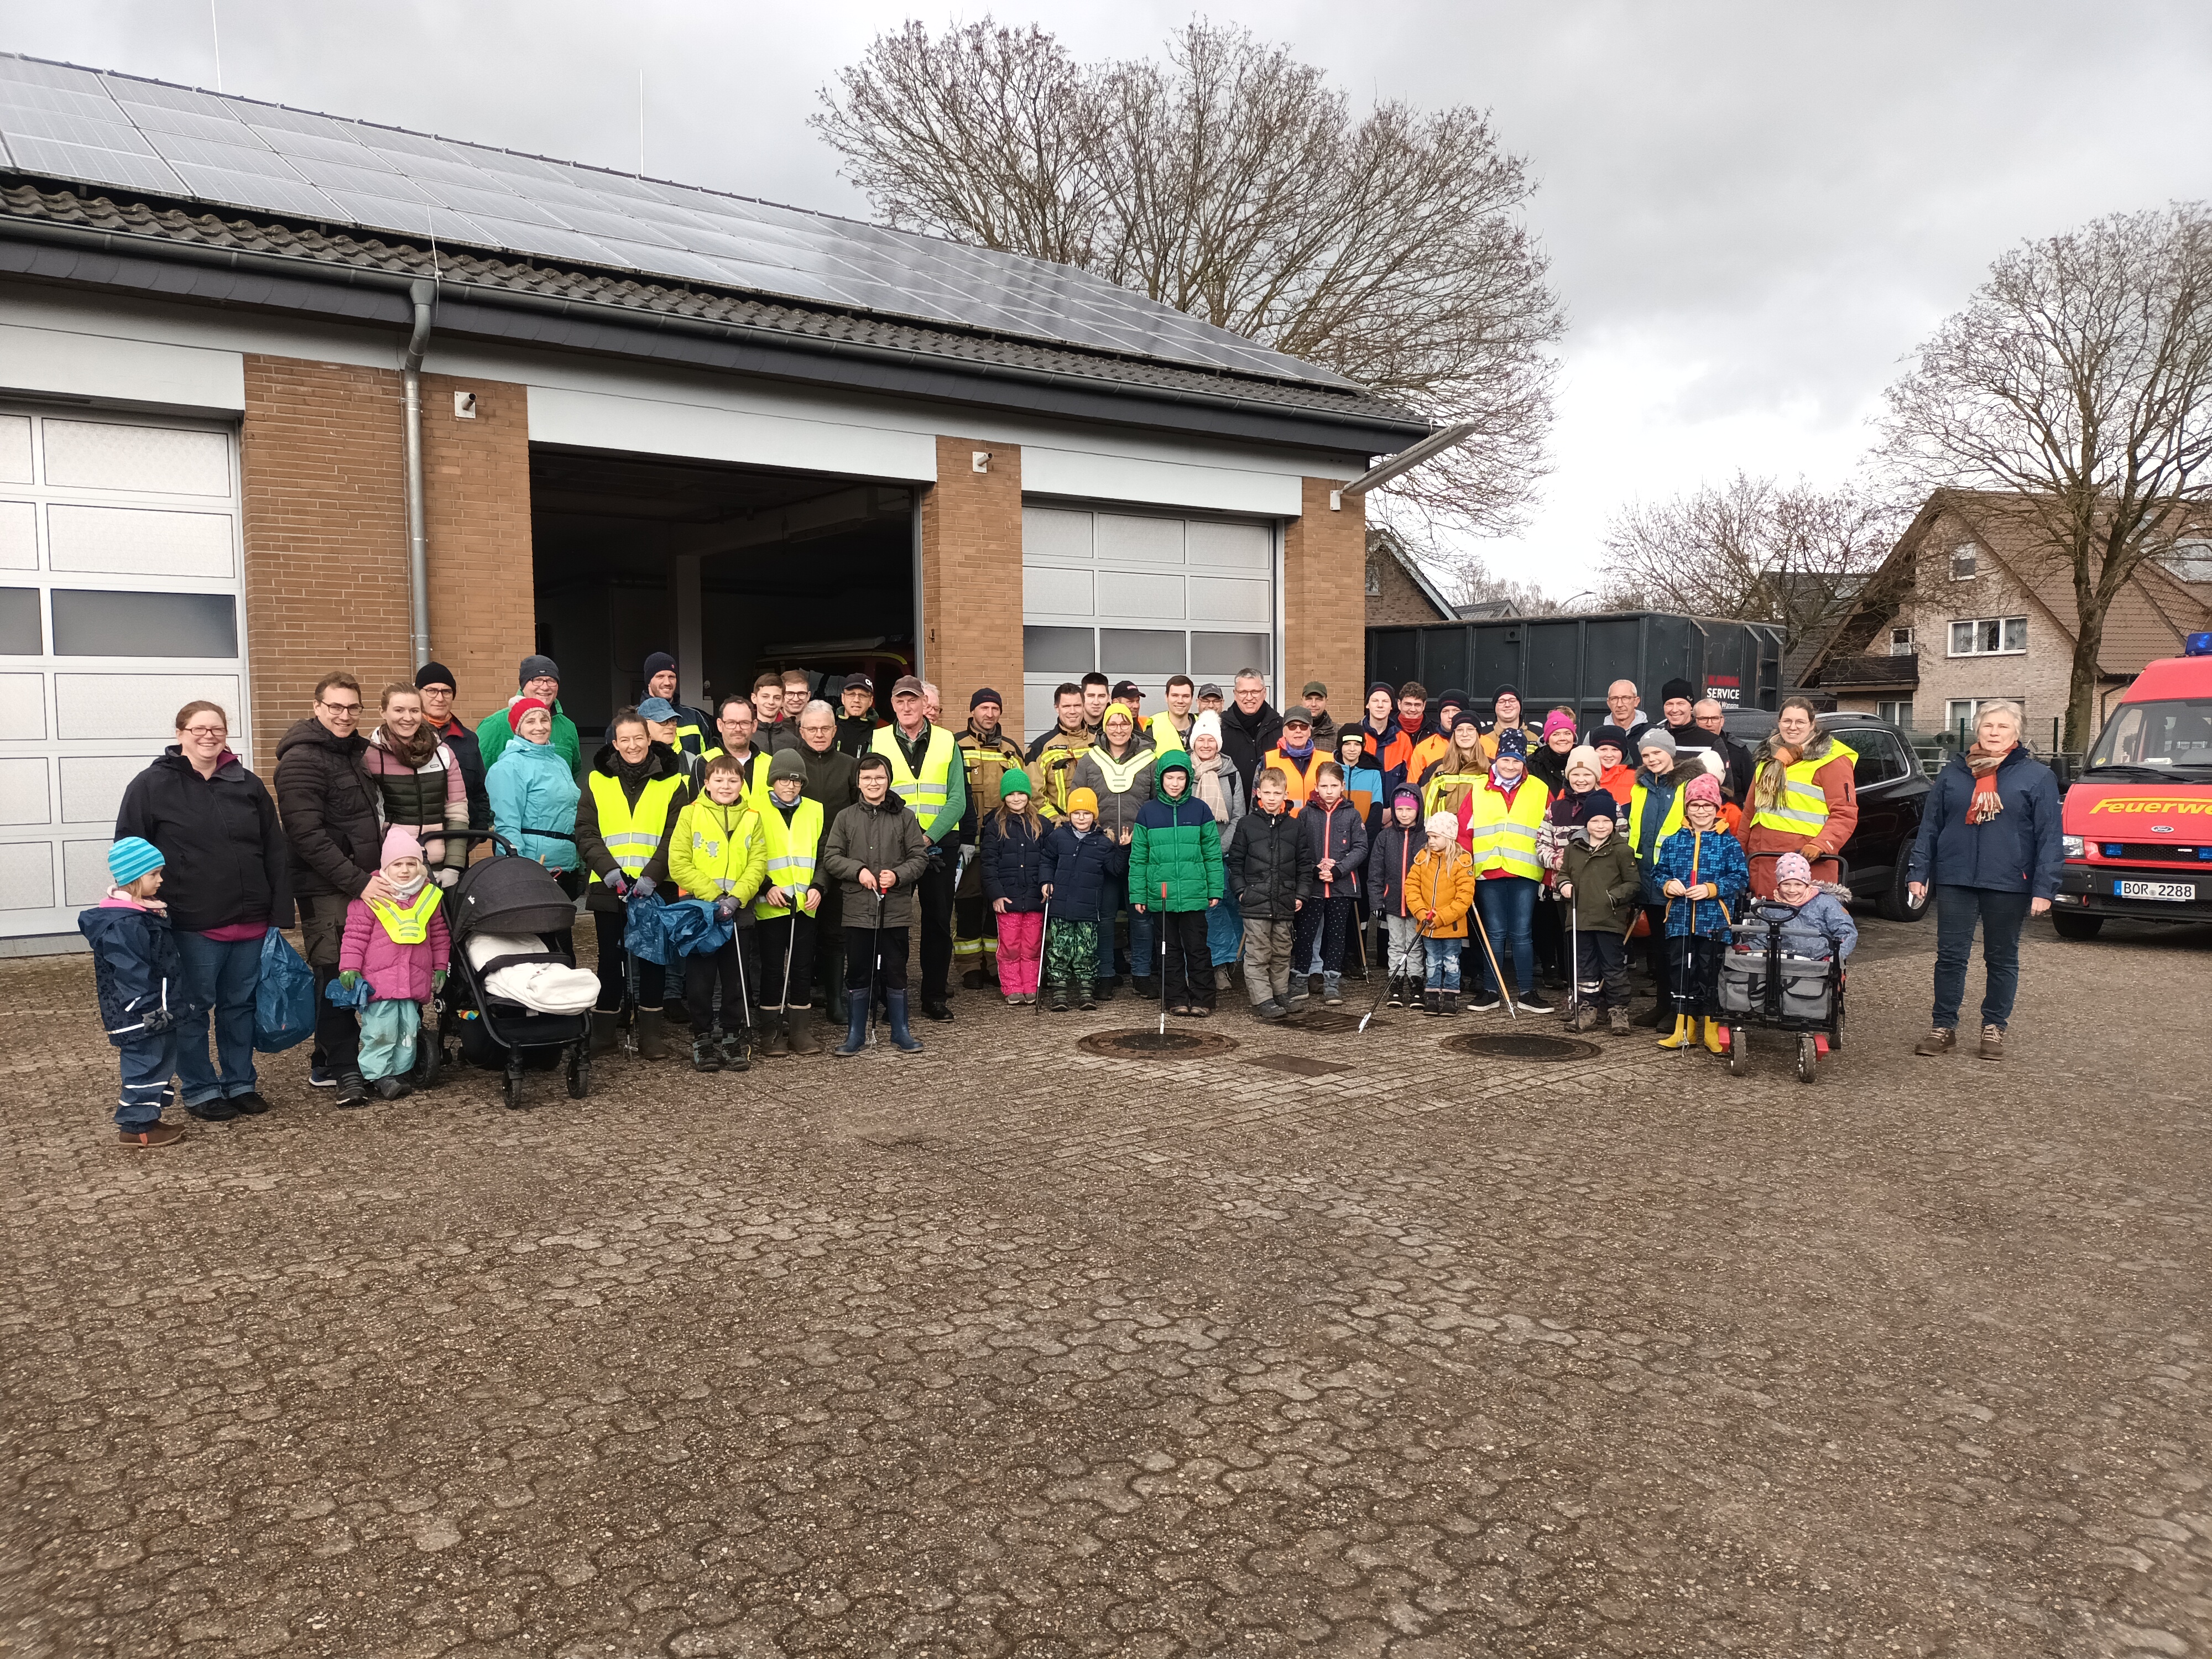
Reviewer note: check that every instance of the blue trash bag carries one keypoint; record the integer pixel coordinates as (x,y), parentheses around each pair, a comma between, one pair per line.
(641,935)
(691,928)
(284,1001)
(338,997)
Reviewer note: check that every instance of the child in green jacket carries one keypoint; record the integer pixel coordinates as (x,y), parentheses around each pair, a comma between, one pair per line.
(1175,877)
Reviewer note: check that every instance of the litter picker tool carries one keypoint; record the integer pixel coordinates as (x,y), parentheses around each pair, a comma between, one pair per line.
(875,961)
(790,940)
(1044,942)
(745,996)
(1420,936)
(1503,990)
(1574,957)
(1161,923)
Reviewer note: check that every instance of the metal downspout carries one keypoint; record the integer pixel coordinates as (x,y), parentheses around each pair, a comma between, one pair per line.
(418,554)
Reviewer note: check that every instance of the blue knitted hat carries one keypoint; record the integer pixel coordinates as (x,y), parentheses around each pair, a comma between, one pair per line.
(131,858)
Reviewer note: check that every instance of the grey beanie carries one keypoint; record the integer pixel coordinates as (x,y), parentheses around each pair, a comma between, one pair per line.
(786,763)
(1656,736)
(534,667)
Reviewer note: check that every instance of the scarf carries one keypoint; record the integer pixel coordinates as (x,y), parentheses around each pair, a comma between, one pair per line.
(1986,803)
(406,894)
(1297,754)
(416,750)
(1410,725)
(1774,759)
(633,777)
(1206,782)
(1508,790)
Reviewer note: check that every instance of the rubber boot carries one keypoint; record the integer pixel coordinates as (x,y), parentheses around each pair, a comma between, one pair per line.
(1451,1003)
(1332,989)
(799,1028)
(1086,998)
(902,1039)
(856,1030)
(1713,1043)
(603,1021)
(1432,1002)
(775,1041)
(705,1057)
(651,1024)
(1682,1036)
(1056,994)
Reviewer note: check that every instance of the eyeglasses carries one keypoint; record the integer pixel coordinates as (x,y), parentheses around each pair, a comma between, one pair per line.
(206,731)
(342,708)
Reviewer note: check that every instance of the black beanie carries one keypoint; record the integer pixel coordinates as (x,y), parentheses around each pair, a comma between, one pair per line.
(1512,691)
(436,673)
(1677,687)
(658,663)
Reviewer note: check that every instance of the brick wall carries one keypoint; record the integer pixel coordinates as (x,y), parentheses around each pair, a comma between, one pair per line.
(1324,600)
(324,534)
(2037,680)
(1394,598)
(476,489)
(971,575)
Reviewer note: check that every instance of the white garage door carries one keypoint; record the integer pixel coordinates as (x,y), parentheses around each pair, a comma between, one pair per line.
(1141,597)
(119,604)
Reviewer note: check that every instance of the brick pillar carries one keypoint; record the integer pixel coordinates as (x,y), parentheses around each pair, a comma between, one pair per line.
(475,489)
(971,575)
(324,535)
(1325,601)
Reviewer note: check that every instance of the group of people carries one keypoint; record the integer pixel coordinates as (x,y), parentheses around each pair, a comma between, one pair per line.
(1210,840)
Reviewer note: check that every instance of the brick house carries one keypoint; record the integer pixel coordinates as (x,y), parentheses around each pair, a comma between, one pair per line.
(1399,591)
(1968,608)
(651,418)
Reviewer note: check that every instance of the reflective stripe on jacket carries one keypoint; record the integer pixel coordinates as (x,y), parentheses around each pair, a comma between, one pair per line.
(409,924)
(717,851)
(792,849)
(1803,807)
(930,795)
(630,837)
(1502,832)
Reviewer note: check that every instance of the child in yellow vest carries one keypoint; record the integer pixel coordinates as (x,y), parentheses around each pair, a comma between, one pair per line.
(719,854)
(400,947)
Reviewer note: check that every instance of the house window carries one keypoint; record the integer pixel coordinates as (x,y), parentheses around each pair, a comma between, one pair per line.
(1960,714)
(1374,580)
(1898,713)
(1962,562)
(1901,642)
(1988,636)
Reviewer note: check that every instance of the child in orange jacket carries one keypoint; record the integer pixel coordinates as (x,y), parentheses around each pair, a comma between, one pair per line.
(1440,891)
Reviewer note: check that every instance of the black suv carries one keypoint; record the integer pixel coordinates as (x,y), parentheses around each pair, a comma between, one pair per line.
(1893,789)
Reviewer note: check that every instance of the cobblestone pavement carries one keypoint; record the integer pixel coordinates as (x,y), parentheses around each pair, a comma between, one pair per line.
(1008,1349)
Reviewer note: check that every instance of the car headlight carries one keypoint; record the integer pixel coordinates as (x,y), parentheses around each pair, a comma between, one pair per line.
(2071,846)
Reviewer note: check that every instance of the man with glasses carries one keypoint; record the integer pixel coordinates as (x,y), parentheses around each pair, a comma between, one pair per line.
(329,808)
(539,678)
(436,684)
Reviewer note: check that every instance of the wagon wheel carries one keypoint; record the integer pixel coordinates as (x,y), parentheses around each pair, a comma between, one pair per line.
(1808,1058)
(1739,1053)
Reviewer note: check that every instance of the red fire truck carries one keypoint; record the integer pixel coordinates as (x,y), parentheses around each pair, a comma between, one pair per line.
(2138,826)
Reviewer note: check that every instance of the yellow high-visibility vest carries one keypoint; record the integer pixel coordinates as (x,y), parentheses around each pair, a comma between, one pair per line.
(1802,808)
(755,793)
(1674,820)
(791,850)
(632,836)
(925,795)
(409,924)
(1502,834)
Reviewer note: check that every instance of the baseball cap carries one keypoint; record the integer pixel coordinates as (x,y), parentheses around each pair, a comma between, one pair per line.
(861,681)
(907,686)
(1209,689)
(1314,688)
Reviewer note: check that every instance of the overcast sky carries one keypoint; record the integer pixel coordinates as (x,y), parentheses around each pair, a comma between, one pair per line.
(1752,212)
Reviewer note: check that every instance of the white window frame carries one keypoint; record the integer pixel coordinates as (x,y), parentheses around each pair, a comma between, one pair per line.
(1974,706)
(1972,555)
(1898,711)
(1901,642)
(2002,624)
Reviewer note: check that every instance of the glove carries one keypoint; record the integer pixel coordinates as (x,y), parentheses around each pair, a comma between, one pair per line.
(642,888)
(936,852)
(620,884)
(159,1020)
(437,979)
(350,979)
(727,908)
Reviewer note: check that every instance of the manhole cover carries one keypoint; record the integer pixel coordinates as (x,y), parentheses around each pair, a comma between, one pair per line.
(1521,1045)
(1322,1020)
(1299,1065)
(1180,1043)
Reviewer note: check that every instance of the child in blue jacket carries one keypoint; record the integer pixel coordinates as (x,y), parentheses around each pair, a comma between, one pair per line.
(1703,874)
(1083,870)
(141,989)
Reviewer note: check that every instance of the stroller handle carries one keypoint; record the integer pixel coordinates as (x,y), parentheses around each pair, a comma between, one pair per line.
(492,835)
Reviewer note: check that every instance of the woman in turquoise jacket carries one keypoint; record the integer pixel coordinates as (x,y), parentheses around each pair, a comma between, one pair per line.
(533,794)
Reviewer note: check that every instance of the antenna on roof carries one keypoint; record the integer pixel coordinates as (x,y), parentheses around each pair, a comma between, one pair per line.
(214,28)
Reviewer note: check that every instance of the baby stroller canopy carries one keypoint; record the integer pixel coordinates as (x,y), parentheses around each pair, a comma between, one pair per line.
(507,895)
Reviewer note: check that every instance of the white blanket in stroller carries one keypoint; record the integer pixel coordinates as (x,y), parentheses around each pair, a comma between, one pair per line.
(544,988)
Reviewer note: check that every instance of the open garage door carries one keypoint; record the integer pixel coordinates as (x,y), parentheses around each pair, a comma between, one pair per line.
(734,570)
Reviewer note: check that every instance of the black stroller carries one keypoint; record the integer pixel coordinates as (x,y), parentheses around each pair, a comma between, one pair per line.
(1763,985)
(511,896)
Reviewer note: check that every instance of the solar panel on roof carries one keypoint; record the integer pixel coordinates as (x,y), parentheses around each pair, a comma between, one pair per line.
(83,126)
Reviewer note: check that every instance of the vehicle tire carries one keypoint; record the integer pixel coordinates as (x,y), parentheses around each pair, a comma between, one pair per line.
(1895,904)
(2071,924)
(1739,1053)
(1808,1059)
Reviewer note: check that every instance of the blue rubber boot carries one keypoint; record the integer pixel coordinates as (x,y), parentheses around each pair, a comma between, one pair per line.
(856,1030)
(902,1039)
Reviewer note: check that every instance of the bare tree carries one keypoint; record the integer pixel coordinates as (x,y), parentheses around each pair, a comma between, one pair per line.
(1752,548)
(1232,183)
(2078,379)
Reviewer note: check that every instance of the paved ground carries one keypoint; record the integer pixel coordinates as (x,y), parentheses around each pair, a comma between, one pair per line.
(1010,1349)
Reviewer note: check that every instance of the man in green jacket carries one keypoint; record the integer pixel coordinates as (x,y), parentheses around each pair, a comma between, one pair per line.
(1174,876)
(540,678)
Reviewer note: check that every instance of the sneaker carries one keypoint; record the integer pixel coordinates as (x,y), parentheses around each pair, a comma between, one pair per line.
(1484,1002)
(1332,989)
(154,1135)
(1532,1002)
(1451,1005)
(1992,1043)
(1941,1041)
(1397,994)
(1271,1010)
(1088,997)
(1585,1018)
(1432,1002)
(392,1088)
(249,1104)
(217,1110)
(319,1076)
(352,1092)
(1618,1023)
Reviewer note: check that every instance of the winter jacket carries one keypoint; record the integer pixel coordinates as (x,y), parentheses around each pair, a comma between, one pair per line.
(1245,738)
(1052,761)
(135,971)
(986,756)
(1444,788)
(1341,834)
(1558,828)
(1717,857)
(329,808)
(1012,858)
(1301,773)
(395,972)
(1607,880)
(227,861)
(1177,845)
(854,737)
(463,742)
(1445,882)
(533,803)
(832,778)
(1267,867)
(1838,787)
(1819,927)
(1363,786)
(716,852)
(2015,852)
(1084,871)
(1390,856)
(1649,830)
(425,799)
(886,837)
(1234,797)
(592,851)
(1407,756)
(1117,808)
(494,734)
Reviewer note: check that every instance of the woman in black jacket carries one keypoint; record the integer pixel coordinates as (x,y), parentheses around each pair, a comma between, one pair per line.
(227,882)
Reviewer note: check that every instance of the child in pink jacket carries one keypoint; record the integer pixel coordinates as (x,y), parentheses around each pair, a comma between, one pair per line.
(400,946)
